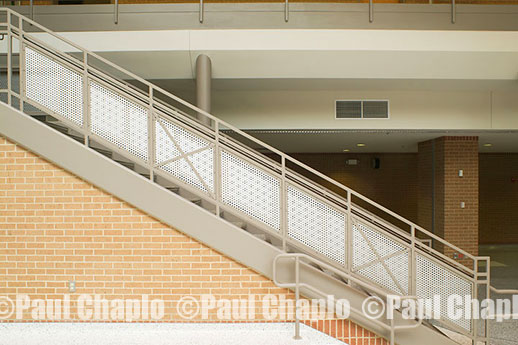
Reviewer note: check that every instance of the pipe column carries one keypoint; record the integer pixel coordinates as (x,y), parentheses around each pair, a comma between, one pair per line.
(203,86)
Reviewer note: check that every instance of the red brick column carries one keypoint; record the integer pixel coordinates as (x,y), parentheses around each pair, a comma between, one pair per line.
(447,202)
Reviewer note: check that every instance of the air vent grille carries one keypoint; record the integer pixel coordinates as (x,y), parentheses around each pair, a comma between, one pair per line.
(362,109)
(348,109)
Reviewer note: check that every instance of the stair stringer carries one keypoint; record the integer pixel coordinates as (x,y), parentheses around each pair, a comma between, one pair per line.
(188,218)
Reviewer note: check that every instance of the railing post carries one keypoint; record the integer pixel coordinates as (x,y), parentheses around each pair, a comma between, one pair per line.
(412,272)
(31,9)
(488,296)
(348,234)
(284,204)
(371,11)
(286,11)
(116,12)
(297,296)
(217,168)
(475,297)
(453,12)
(201,11)
(151,135)
(392,331)
(9,58)
(21,63)
(86,101)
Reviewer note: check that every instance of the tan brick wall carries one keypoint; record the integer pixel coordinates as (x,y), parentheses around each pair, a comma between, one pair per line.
(55,227)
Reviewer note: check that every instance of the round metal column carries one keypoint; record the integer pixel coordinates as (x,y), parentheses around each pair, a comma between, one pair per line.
(203,86)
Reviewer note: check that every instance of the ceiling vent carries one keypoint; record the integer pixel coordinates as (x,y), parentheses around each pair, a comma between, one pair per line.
(366,109)
(348,109)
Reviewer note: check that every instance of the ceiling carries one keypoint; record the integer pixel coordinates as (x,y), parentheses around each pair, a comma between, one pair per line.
(342,84)
(323,140)
(313,54)
(377,140)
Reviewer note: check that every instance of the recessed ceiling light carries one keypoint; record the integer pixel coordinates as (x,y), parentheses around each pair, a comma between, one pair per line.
(488,145)
(360,144)
(346,150)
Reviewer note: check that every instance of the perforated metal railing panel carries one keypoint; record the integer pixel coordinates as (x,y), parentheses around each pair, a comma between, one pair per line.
(119,120)
(54,86)
(316,224)
(184,154)
(250,189)
(246,185)
(380,258)
(434,279)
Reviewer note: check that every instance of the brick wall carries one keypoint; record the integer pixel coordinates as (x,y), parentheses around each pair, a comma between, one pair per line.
(404,184)
(440,161)
(55,227)
(460,224)
(425,183)
(498,198)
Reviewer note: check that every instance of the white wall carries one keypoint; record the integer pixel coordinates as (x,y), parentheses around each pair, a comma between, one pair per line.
(475,110)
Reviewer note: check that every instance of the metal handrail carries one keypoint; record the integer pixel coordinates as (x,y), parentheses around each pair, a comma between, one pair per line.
(149,98)
(116,12)
(201,10)
(286,11)
(153,89)
(504,291)
(222,124)
(297,285)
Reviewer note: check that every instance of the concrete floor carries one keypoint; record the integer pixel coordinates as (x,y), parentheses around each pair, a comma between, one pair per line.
(159,334)
(504,275)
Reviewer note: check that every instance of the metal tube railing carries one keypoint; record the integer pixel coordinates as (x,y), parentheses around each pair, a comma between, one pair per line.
(286,11)
(297,285)
(222,124)
(371,11)
(148,98)
(116,12)
(201,11)
(453,12)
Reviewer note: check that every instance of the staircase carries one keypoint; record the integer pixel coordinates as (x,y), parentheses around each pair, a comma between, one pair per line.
(224,187)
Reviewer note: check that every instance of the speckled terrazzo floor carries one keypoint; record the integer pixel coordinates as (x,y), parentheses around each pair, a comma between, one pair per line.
(158,334)
(504,275)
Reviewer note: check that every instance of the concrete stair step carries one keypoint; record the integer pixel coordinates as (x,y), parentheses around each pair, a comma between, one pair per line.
(332,274)
(104,152)
(261,237)
(195,200)
(127,164)
(77,138)
(147,176)
(174,189)
(42,117)
(241,225)
(58,127)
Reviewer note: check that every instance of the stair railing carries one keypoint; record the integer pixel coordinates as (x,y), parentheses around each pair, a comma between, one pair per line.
(225,166)
(297,286)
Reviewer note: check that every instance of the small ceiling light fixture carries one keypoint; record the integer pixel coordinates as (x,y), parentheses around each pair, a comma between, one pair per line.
(488,145)
(346,150)
(360,145)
